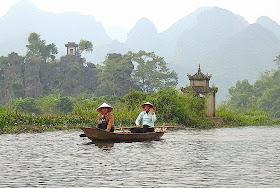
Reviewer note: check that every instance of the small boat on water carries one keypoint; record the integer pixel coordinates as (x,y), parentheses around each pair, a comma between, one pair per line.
(96,134)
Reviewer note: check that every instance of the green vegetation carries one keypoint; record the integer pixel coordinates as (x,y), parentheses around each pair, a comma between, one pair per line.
(262,95)
(53,112)
(39,93)
(152,72)
(115,75)
(39,74)
(38,48)
(85,45)
(233,118)
(253,104)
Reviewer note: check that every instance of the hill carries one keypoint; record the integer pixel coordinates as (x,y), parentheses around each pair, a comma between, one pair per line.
(24,18)
(224,43)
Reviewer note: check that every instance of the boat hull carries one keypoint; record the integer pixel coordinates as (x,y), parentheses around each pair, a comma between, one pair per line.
(100,135)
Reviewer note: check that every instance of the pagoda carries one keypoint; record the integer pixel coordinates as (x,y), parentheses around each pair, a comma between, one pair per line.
(199,83)
(72,48)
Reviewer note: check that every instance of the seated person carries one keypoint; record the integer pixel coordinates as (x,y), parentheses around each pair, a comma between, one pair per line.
(148,117)
(105,118)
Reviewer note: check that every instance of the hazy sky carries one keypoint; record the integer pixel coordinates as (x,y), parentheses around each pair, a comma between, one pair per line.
(163,13)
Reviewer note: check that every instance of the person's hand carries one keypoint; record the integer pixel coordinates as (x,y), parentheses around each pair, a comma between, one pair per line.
(152,111)
(138,126)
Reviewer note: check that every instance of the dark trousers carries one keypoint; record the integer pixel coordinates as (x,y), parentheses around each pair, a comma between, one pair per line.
(145,129)
(103,126)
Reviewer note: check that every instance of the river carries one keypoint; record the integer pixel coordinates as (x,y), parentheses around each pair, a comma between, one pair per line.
(223,157)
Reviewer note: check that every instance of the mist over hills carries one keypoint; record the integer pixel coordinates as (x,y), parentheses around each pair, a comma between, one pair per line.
(223,43)
(25,17)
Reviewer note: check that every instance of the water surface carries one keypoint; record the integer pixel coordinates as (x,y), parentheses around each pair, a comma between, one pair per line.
(225,157)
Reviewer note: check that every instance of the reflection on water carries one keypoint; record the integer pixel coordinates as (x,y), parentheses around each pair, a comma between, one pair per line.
(102,145)
(227,157)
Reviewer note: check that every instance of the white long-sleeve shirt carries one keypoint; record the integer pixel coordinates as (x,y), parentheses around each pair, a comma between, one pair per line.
(146,118)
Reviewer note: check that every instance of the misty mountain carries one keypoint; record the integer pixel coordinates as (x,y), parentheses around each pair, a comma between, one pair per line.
(271,25)
(213,27)
(142,36)
(24,18)
(245,55)
(225,44)
(172,34)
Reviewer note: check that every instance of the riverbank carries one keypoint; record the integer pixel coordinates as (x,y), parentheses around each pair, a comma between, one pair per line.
(17,128)
(13,122)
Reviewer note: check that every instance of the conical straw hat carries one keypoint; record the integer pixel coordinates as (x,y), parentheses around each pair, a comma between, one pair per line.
(104,105)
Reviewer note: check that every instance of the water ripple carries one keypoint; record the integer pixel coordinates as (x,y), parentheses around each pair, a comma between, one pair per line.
(226,157)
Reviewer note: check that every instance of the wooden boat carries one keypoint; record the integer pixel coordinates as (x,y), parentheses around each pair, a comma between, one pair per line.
(96,134)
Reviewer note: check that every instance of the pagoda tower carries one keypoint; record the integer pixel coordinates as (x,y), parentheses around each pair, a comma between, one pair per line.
(199,82)
(72,48)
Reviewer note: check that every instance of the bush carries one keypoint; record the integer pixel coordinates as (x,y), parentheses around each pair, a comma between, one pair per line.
(26,105)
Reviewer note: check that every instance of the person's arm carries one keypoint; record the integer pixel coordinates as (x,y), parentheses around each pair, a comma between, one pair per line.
(138,120)
(99,118)
(110,123)
(154,117)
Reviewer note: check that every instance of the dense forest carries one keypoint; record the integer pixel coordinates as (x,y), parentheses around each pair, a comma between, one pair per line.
(39,74)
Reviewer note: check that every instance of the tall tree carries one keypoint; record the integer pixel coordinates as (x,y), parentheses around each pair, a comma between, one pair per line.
(277,60)
(152,72)
(39,49)
(85,45)
(241,94)
(115,75)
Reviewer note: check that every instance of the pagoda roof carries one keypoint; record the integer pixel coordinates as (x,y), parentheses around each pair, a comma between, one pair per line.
(199,75)
(201,89)
(71,44)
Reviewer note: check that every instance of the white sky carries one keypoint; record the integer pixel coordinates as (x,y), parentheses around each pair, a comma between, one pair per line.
(163,13)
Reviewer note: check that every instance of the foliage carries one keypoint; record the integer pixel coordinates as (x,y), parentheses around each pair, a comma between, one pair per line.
(26,105)
(12,59)
(11,71)
(11,121)
(65,105)
(38,48)
(48,104)
(277,60)
(177,107)
(172,106)
(85,45)
(270,101)
(252,116)
(263,94)
(115,75)
(151,72)
(133,99)
(242,94)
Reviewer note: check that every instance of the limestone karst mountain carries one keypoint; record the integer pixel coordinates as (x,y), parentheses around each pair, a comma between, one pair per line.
(224,43)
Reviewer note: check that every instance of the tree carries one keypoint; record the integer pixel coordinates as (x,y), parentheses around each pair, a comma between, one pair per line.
(277,60)
(27,105)
(270,101)
(152,72)
(38,48)
(5,62)
(242,95)
(65,105)
(115,75)
(85,45)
